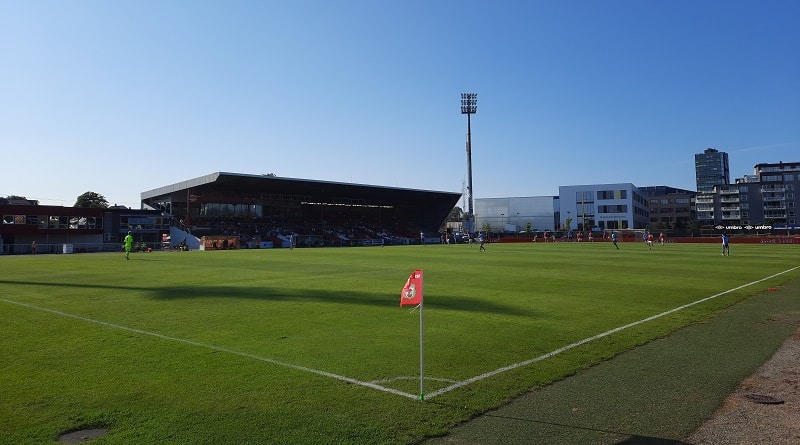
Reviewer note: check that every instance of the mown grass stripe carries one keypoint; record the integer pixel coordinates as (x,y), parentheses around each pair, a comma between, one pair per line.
(216,348)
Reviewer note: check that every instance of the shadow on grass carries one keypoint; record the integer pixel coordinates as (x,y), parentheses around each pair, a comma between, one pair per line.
(468,304)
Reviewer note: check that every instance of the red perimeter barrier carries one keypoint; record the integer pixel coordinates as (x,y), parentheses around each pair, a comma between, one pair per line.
(733,240)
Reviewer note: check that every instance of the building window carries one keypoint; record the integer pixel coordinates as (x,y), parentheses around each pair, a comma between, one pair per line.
(59,222)
(742,197)
(613,209)
(605,194)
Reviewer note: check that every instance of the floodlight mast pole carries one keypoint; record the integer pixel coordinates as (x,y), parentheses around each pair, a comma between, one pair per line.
(469,106)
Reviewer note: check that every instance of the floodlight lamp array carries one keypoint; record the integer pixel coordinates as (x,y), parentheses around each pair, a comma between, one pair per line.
(469,103)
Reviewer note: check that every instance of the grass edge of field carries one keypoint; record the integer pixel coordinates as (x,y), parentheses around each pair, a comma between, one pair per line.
(692,399)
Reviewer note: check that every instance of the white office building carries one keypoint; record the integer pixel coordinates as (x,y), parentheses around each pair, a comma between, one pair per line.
(602,206)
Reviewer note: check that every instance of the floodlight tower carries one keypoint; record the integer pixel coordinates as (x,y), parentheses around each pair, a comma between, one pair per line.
(469,105)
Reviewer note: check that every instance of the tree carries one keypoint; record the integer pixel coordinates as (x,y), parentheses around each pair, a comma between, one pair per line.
(91,200)
(695,227)
(456,214)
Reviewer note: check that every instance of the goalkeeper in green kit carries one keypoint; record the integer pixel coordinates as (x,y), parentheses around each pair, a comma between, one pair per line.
(128,245)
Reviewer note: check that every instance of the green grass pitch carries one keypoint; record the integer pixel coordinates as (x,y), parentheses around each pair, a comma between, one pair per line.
(310,346)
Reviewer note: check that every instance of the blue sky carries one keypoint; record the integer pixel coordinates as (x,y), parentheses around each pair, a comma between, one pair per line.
(123,97)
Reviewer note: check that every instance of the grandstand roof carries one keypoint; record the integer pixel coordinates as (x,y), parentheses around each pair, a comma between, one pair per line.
(428,208)
(289,186)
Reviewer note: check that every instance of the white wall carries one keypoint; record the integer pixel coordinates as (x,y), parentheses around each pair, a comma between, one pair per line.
(515,213)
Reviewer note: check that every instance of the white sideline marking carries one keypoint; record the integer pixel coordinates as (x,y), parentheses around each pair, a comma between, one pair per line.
(587,340)
(383,388)
(218,348)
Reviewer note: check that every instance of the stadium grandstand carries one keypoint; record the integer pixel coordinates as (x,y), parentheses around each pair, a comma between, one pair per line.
(241,210)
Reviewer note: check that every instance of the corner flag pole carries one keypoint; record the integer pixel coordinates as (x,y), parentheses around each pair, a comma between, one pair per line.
(412,293)
(421,352)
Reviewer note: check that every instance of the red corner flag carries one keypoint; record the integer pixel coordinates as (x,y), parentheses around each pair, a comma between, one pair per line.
(412,291)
